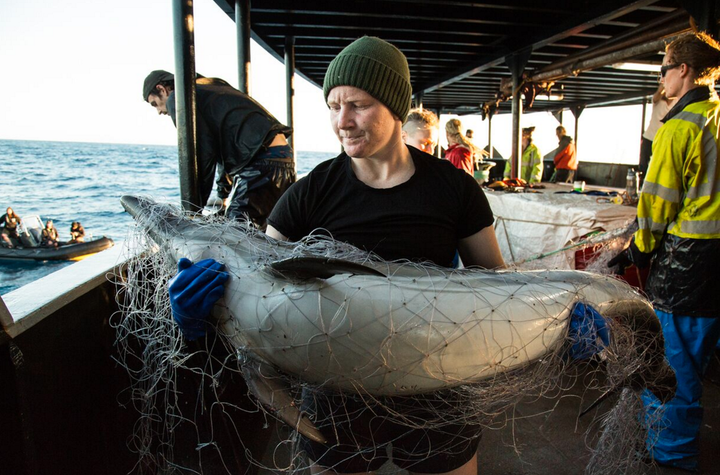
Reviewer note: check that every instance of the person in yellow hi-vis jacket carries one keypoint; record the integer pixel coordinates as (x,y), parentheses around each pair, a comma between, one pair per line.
(679,236)
(531,165)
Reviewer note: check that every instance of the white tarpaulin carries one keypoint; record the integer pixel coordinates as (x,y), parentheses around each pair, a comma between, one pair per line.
(530,224)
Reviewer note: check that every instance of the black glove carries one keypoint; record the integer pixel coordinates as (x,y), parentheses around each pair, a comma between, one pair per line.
(630,255)
(622,260)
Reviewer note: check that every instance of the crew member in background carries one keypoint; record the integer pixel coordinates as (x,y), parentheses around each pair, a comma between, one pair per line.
(10,222)
(49,235)
(679,231)
(661,106)
(565,157)
(420,130)
(238,135)
(461,151)
(77,232)
(531,164)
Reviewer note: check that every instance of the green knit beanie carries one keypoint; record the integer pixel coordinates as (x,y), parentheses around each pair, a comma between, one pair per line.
(376,67)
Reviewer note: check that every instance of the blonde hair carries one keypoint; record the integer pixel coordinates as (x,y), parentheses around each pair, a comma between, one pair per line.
(453,127)
(421,118)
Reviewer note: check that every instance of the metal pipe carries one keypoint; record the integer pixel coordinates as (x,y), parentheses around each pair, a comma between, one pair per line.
(185,103)
(648,32)
(600,61)
(242,25)
(637,45)
(290,87)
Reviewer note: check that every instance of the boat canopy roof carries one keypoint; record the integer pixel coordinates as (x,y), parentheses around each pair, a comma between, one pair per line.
(459,51)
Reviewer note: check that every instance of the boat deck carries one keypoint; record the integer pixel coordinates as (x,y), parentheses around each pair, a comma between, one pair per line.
(546,437)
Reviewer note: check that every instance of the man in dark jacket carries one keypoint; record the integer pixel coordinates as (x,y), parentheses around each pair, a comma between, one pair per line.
(240,138)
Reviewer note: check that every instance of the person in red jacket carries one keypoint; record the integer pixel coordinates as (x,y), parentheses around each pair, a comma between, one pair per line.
(565,157)
(461,151)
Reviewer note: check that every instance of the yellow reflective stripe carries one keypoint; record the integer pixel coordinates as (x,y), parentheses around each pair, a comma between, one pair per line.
(650,225)
(700,227)
(698,119)
(528,156)
(710,156)
(709,153)
(656,189)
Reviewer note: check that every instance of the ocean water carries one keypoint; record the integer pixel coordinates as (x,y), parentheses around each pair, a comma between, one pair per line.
(67,181)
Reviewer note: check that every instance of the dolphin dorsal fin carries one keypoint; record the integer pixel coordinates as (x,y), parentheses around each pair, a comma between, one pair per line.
(320,267)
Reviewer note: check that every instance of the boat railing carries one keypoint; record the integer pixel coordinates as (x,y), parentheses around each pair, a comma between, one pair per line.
(23,308)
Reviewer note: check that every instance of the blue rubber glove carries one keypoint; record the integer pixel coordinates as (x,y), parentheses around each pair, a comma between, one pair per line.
(193,293)
(586,326)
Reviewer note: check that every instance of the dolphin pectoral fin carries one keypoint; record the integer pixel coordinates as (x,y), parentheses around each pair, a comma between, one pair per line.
(266,385)
(320,268)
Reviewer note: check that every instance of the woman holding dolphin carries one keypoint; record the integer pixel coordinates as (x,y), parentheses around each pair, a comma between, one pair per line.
(384,197)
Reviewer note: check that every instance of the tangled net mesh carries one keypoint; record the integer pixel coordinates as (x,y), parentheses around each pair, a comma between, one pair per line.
(176,385)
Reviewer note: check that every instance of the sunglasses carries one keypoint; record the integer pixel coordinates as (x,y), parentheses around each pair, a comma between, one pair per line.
(668,67)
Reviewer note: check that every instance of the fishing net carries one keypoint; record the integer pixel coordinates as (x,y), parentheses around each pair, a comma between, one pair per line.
(591,252)
(419,358)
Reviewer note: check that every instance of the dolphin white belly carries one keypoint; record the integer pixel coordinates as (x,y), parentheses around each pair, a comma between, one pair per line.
(412,329)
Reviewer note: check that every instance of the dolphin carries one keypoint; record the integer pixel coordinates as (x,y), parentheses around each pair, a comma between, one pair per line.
(349,321)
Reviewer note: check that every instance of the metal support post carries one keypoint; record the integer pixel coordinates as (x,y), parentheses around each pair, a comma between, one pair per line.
(490,145)
(185,103)
(577,110)
(516,63)
(644,112)
(242,25)
(290,87)
(418,100)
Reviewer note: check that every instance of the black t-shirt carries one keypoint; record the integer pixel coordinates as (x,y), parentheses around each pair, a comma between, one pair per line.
(422,219)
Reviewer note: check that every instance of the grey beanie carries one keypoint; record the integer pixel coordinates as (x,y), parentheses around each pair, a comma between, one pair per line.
(376,67)
(153,79)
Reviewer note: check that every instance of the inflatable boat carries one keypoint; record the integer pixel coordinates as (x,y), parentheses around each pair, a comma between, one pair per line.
(64,252)
(28,246)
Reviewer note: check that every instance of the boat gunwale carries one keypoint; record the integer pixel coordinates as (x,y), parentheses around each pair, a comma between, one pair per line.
(25,307)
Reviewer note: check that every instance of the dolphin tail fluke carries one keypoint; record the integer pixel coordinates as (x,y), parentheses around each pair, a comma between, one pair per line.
(265,384)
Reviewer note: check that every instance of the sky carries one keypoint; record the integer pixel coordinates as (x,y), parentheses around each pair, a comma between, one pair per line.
(73,71)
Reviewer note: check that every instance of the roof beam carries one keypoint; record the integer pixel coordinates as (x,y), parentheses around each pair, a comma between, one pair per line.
(587,21)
